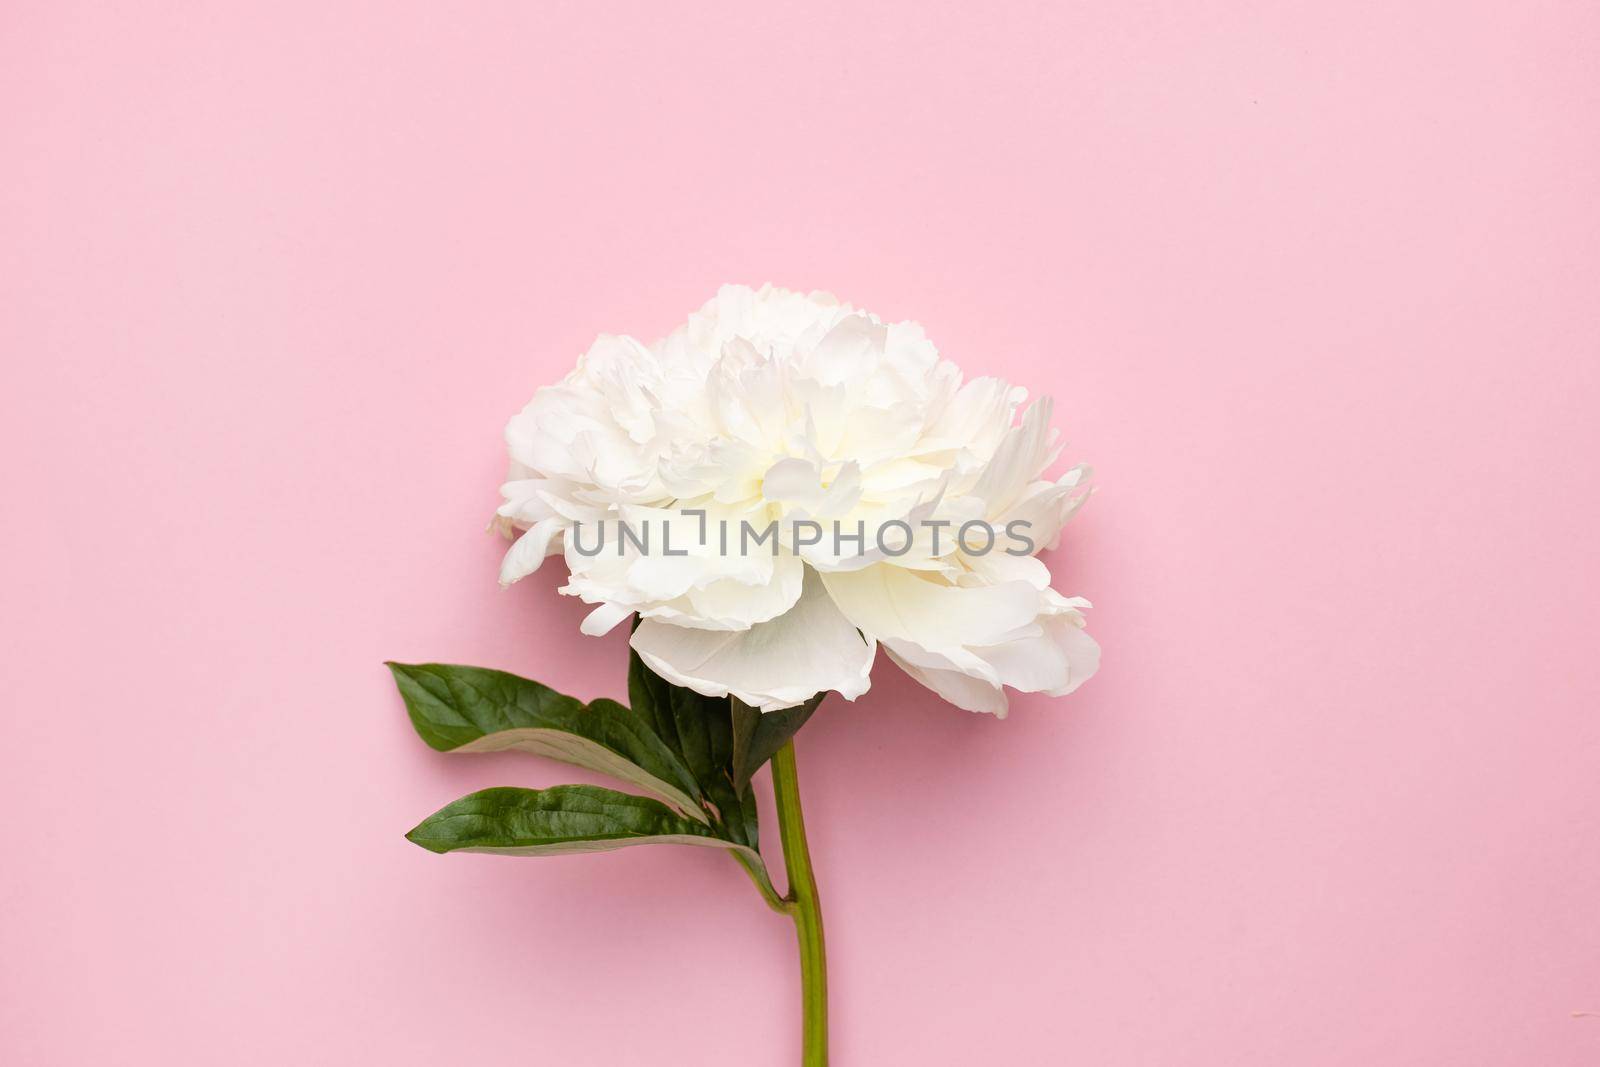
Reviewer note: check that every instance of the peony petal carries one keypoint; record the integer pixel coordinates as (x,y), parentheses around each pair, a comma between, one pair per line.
(962,690)
(1024,453)
(998,566)
(848,350)
(891,602)
(733,604)
(1054,656)
(793,480)
(1030,664)
(1081,650)
(604,618)
(529,550)
(807,650)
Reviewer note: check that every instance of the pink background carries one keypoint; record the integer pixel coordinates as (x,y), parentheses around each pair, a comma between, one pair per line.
(1313,283)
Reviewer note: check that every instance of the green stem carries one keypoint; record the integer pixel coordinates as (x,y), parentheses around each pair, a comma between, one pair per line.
(803,905)
(758,874)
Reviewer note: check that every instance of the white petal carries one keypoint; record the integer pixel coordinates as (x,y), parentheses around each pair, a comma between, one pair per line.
(1054,656)
(777,664)
(999,566)
(1046,506)
(731,603)
(891,602)
(850,349)
(1024,453)
(962,690)
(978,416)
(793,480)
(529,550)
(602,619)
(1029,664)
(1081,650)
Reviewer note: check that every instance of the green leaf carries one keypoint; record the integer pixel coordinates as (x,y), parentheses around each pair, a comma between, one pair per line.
(699,731)
(473,709)
(560,820)
(650,696)
(695,753)
(758,735)
(743,720)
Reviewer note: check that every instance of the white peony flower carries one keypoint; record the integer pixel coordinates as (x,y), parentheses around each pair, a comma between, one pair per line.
(770,406)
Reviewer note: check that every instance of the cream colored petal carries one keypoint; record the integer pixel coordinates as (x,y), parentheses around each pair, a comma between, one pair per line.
(891,602)
(529,550)
(777,664)
(962,690)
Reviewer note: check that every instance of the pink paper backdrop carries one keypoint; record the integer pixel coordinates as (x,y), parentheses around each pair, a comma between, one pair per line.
(1314,284)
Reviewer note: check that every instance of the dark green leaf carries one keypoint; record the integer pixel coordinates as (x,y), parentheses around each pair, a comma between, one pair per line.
(743,719)
(649,695)
(473,709)
(563,819)
(699,730)
(764,733)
